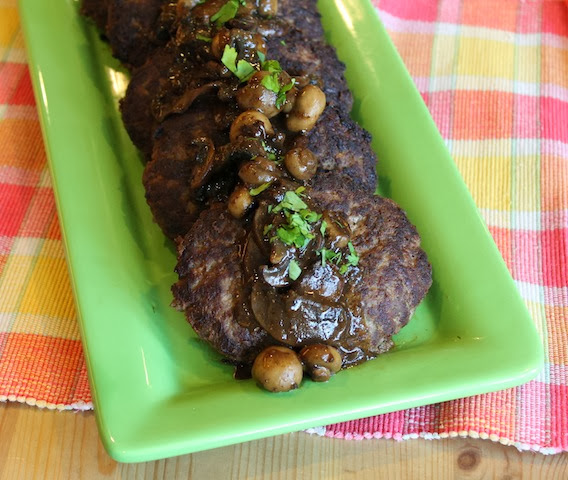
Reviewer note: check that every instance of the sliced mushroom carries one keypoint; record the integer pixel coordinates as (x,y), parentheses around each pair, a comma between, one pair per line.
(297,320)
(205,162)
(322,282)
(240,201)
(337,229)
(268,8)
(255,96)
(301,163)
(247,43)
(180,104)
(241,150)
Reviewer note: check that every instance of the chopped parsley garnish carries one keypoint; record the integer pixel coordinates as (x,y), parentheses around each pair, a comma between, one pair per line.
(272,83)
(291,202)
(327,255)
(283,43)
(270,152)
(298,229)
(352,258)
(203,38)
(330,256)
(294,270)
(227,12)
(310,215)
(258,190)
(272,66)
(242,69)
(281,98)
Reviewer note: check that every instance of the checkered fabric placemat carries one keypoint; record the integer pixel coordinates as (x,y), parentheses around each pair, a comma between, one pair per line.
(495,78)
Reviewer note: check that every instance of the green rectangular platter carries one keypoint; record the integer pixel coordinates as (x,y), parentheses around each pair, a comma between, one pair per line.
(158,391)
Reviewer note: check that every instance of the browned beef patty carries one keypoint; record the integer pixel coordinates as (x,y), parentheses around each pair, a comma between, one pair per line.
(211,285)
(131,29)
(343,147)
(395,275)
(136,106)
(96,10)
(313,58)
(179,150)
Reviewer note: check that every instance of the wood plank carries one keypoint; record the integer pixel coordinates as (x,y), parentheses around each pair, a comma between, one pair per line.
(46,444)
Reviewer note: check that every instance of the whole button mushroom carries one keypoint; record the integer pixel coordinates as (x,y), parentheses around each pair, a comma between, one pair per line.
(240,201)
(251,124)
(301,163)
(309,105)
(258,170)
(320,361)
(255,96)
(277,369)
(268,8)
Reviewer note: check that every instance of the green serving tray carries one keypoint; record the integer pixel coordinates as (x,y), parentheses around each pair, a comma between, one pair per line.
(158,390)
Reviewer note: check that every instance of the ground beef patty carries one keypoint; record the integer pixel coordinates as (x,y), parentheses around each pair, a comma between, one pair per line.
(211,285)
(395,274)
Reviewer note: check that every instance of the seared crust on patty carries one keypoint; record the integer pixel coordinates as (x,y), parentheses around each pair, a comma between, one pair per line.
(344,148)
(396,272)
(211,286)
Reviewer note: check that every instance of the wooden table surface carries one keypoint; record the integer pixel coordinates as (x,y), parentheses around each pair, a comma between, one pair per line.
(42,444)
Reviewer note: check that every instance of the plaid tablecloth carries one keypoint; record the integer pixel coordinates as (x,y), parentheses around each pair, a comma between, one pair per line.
(495,78)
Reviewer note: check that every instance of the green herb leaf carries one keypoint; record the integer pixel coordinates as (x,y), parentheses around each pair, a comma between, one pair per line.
(323,227)
(267,229)
(352,258)
(272,66)
(310,215)
(329,256)
(293,202)
(298,230)
(294,270)
(270,152)
(271,82)
(281,99)
(258,190)
(343,268)
(287,236)
(227,12)
(282,42)
(204,38)
(323,252)
(242,69)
